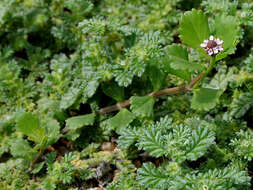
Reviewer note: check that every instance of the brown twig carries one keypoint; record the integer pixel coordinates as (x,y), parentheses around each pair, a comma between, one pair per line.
(156,94)
(164,92)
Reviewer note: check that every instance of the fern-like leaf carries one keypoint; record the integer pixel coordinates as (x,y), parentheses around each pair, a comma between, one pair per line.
(202,138)
(151,177)
(153,142)
(241,104)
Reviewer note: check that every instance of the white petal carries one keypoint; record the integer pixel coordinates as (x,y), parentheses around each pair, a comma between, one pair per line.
(205,41)
(215,50)
(203,45)
(210,52)
(218,41)
(219,48)
(211,38)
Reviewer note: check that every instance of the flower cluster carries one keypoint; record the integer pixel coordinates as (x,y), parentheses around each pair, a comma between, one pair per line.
(212,46)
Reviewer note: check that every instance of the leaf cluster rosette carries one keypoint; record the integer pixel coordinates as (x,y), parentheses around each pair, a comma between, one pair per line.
(213,39)
(195,28)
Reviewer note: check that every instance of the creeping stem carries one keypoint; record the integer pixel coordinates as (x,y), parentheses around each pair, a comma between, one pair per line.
(165,92)
(169,91)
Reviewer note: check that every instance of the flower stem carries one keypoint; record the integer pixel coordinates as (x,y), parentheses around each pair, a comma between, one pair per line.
(209,69)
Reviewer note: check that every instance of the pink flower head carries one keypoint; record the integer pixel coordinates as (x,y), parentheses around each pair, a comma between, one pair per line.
(212,46)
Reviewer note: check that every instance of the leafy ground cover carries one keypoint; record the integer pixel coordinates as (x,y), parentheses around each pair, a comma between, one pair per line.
(138,94)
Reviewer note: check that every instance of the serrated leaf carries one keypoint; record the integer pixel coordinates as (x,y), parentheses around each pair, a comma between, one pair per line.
(37,167)
(178,58)
(90,88)
(73,134)
(202,138)
(153,142)
(241,104)
(205,98)
(114,91)
(194,28)
(69,98)
(80,121)
(142,105)
(123,77)
(156,75)
(127,138)
(76,123)
(20,148)
(29,125)
(52,130)
(226,28)
(220,80)
(183,74)
(150,177)
(121,120)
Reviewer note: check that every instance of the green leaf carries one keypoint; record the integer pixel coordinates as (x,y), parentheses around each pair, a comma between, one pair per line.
(80,121)
(243,144)
(29,125)
(241,104)
(121,120)
(226,28)
(142,106)
(20,148)
(201,139)
(178,58)
(156,76)
(194,28)
(220,80)
(183,74)
(127,138)
(153,142)
(69,98)
(52,130)
(114,91)
(76,123)
(37,167)
(205,98)
(152,178)
(90,89)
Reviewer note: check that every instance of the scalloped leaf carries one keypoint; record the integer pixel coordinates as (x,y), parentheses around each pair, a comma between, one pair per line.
(178,58)
(142,105)
(156,76)
(226,28)
(76,123)
(80,121)
(114,91)
(20,148)
(52,128)
(205,98)
(183,74)
(194,28)
(29,125)
(121,120)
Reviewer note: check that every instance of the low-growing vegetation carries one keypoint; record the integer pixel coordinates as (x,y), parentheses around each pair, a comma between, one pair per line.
(130,95)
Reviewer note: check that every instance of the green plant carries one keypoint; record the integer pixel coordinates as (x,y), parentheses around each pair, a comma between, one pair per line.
(139,94)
